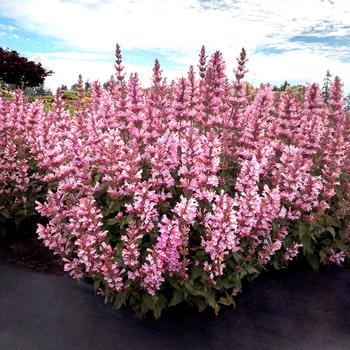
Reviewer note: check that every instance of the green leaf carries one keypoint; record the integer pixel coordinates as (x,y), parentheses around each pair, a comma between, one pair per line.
(306,242)
(111,221)
(120,299)
(331,221)
(340,192)
(275,227)
(252,270)
(225,301)
(302,229)
(174,283)
(200,303)
(196,272)
(148,302)
(331,230)
(97,283)
(193,291)
(126,220)
(177,298)
(323,255)
(157,312)
(313,261)
(237,260)
(210,298)
(6,214)
(242,274)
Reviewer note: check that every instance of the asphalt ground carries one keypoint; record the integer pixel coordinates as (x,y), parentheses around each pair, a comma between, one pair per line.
(297,309)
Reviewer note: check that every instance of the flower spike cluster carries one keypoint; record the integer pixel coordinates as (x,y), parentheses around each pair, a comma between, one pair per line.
(179,191)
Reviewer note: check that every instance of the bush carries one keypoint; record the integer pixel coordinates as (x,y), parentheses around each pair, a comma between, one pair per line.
(48,98)
(20,187)
(69,95)
(180,193)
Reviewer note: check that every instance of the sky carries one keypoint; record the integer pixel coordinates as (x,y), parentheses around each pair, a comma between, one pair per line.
(293,40)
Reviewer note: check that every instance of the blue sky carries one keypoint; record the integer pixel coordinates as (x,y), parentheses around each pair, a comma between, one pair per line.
(294,40)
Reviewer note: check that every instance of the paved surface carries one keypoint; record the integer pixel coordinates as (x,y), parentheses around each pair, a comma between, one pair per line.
(283,310)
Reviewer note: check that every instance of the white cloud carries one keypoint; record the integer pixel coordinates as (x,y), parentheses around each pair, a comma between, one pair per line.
(169,24)
(70,69)
(7,27)
(71,55)
(6,30)
(182,26)
(295,66)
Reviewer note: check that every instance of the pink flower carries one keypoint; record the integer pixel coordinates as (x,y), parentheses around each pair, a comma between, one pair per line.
(221,235)
(292,252)
(335,258)
(187,209)
(131,251)
(151,273)
(269,249)
(168,245)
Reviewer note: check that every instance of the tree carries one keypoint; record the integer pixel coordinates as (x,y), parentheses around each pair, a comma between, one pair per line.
(106,83)
(347,103)
(19,71)
(326,86)
(283,87)
(87,85)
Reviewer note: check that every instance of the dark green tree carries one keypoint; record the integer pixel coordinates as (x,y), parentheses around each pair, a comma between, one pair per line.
(347,103)
(87,85)
(327,81)
(283,87)
(106,83)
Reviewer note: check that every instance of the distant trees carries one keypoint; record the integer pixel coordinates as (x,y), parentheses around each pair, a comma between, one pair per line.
(74,87)
(106,83)
(18,71)
(283,87)
(87,85)
(327,81)
(298,90)
(42,91)
(347,103)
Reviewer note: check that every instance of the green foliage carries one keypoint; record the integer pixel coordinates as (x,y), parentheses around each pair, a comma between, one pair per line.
(69,95)
(18,217)
(327,81)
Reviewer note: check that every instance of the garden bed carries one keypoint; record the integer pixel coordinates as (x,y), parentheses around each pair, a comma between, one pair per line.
(32,253)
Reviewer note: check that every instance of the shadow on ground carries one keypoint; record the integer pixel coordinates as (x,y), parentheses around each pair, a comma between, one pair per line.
(299,309)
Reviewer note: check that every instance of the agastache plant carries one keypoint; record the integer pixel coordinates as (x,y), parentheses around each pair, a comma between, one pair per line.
(179,192)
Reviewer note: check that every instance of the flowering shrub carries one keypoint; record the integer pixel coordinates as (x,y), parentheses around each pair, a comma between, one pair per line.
(20,187)
(181,192)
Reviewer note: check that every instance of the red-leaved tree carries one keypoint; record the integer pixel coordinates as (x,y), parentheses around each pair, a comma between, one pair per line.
(19,71)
